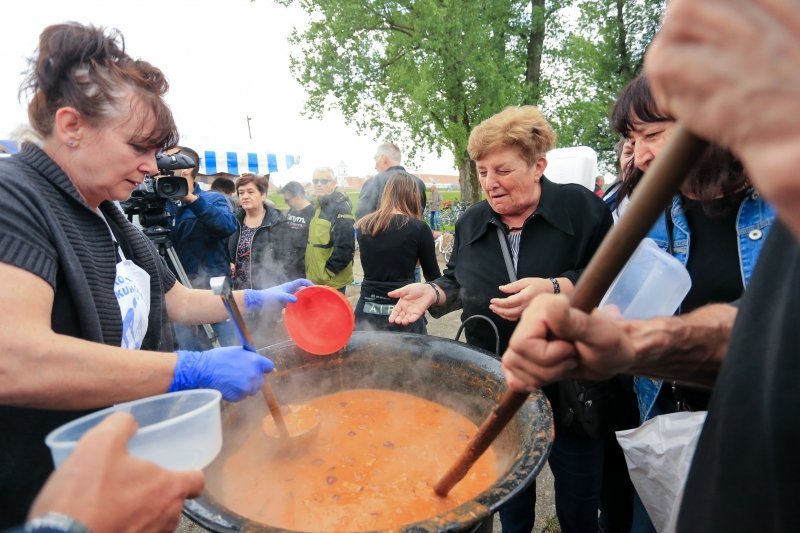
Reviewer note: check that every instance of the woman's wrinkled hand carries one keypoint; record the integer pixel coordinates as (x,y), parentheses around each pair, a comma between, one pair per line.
(413,300)
(522,292)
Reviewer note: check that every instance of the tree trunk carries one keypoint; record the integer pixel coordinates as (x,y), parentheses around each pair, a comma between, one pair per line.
(468,180)
(625,69)
(533,71)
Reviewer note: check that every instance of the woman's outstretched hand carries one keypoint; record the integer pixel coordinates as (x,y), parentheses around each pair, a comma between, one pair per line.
(414,300)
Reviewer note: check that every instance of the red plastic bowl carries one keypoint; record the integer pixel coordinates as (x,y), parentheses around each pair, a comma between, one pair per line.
(321,321)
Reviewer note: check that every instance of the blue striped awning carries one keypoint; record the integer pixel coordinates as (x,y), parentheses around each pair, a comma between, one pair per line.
(8,146)
(236,162)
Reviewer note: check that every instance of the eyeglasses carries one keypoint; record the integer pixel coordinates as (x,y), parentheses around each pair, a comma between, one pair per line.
(320,182)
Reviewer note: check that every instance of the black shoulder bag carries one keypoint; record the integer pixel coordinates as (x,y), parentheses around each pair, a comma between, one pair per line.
(582,408)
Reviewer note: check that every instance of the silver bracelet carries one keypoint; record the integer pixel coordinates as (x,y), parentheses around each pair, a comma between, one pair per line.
(58,521)
(556,286)
(436,291)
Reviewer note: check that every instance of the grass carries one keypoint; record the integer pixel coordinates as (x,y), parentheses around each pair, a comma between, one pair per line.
(552,525)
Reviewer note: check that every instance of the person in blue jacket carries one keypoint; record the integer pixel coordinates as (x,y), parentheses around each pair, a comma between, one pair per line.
(716,226)
(202,221)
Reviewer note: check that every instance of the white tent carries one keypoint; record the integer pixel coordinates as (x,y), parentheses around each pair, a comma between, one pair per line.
(238,162)
(576,164)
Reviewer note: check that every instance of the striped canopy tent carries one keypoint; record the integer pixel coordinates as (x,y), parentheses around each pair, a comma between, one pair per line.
(7,146)
(238,162)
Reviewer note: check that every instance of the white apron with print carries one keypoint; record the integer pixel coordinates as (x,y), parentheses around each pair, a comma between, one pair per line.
(132,288)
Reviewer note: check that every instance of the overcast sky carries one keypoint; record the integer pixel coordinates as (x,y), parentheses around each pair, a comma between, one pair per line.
(225,60)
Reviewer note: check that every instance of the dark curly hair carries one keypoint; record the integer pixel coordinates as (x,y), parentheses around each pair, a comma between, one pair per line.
(86,68)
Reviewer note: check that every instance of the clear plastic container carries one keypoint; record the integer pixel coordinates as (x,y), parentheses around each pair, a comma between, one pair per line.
(652,283)
(179,430)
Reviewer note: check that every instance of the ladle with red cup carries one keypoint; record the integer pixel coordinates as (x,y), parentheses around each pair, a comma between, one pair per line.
(320,322)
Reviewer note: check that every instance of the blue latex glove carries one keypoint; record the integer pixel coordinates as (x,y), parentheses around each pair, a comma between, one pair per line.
(274,298)
(233,371)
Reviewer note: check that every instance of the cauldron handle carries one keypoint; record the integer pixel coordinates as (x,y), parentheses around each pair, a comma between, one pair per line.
(494,327)
(654,191)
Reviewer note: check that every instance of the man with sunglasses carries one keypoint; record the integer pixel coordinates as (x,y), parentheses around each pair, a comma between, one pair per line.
(331,241)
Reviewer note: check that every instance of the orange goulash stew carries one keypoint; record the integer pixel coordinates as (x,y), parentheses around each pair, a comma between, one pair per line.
(299,420)
(372,465)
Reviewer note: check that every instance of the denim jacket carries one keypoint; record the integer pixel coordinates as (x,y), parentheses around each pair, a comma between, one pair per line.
(753,222)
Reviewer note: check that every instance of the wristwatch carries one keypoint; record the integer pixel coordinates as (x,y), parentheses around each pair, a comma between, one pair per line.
(55,522)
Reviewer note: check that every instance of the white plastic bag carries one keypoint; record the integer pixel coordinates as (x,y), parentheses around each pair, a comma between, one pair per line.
(658,454)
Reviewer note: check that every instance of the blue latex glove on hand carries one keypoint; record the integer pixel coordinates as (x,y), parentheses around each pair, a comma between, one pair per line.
(274,298)
(233,371)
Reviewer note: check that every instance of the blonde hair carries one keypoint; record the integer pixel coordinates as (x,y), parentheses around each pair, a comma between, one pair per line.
(400,194)
(524,127)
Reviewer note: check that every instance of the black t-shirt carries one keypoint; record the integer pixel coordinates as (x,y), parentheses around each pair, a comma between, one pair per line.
(714,267)
(713,261)
(297,222)
(390,257)
(745,475)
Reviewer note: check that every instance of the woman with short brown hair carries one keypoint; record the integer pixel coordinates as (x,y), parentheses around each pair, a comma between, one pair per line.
(259,245)
(547,233)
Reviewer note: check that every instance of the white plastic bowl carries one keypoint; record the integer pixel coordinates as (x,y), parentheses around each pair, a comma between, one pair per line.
(652,283)
(179,430)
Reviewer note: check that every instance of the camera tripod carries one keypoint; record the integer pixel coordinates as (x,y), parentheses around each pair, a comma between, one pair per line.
(159,236)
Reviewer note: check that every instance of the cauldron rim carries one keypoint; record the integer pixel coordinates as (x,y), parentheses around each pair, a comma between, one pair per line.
(209,513)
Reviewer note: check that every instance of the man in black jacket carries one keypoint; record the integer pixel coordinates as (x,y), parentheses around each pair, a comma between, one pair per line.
(387,163)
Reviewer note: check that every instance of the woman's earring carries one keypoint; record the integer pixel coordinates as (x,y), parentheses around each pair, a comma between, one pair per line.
(72,144)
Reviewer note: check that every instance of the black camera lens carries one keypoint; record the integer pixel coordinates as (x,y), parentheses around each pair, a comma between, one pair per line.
(171,187)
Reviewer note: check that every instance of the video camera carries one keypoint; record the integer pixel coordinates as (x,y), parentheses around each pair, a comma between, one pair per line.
(148,200)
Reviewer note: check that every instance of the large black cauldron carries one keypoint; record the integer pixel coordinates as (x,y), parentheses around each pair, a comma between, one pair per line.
(456,375)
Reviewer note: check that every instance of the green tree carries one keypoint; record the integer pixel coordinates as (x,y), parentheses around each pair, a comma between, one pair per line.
(592,63)
(423,72)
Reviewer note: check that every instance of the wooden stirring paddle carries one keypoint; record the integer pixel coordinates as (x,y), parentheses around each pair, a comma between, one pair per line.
(654,192)
(221,286)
